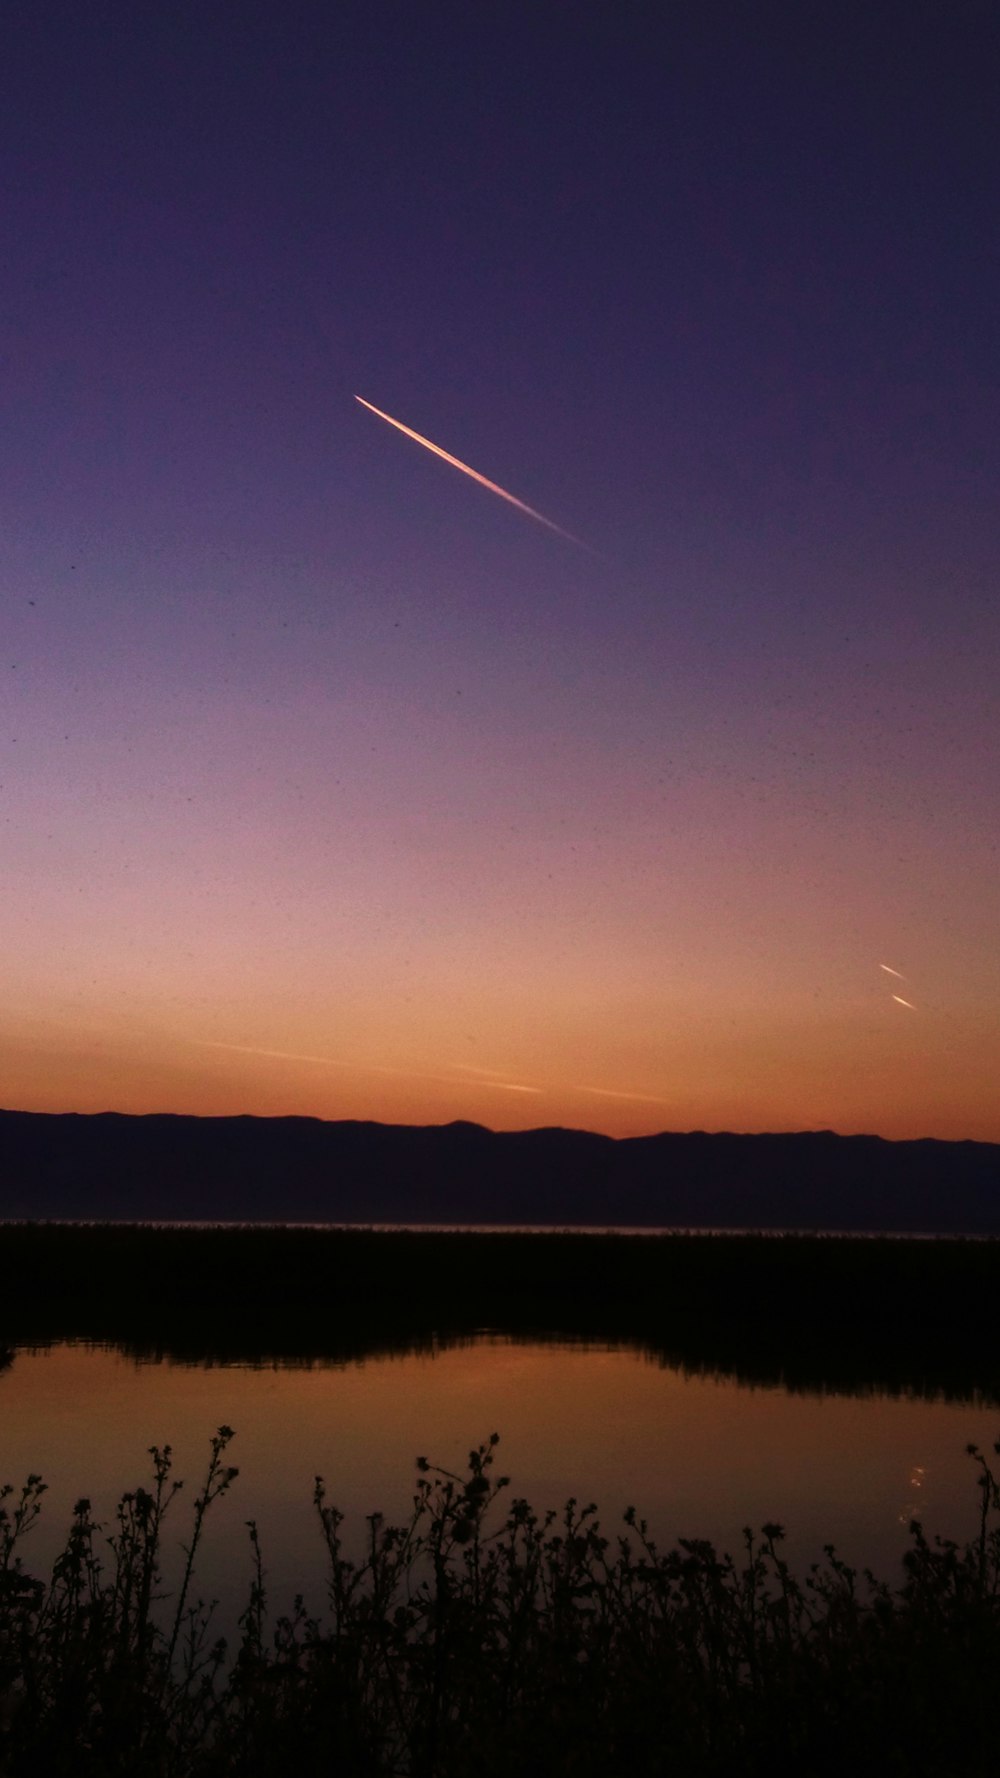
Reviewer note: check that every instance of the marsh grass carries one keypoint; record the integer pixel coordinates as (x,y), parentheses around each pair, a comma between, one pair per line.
(765,1309)
(482,1637)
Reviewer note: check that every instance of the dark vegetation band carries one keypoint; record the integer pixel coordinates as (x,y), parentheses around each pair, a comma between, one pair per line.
(482,1637)
(813,1313)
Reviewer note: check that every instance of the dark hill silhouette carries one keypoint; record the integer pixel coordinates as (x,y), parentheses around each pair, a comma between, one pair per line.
(109,1166)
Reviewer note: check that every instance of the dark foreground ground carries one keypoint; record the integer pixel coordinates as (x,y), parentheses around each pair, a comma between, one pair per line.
(821,1313)
(479,1641)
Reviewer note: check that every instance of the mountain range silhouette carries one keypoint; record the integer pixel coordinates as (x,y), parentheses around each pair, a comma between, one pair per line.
(162,1167)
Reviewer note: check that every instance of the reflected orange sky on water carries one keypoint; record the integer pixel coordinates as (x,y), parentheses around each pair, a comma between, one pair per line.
(698,1456)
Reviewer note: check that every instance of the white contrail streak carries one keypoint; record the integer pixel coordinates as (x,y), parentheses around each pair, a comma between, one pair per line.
(609,1093)
(490,1077)
(456,463)
(898,973)
(245,1049)
(903,1002)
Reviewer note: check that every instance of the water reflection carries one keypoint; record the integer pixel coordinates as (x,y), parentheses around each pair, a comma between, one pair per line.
(712,1382)
(920,1497)
(700,1455)
(803,1370)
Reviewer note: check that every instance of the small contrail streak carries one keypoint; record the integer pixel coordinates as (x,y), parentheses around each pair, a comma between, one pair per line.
(898,973)
(484,482)
(609,1093)
(491,1077)
(903,1002)
(487,1073)
(245,1049)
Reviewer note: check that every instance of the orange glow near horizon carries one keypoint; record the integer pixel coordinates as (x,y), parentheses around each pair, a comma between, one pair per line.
(508,1007)
(850,1074)
(503,878)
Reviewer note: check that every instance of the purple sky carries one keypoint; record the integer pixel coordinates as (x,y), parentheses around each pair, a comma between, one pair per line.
(331,783)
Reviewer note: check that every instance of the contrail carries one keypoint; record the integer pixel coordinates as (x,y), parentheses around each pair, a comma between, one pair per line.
(491,1078)
(456,463)
(245,1049)
(898,973)
(609,1093)
(903,1002)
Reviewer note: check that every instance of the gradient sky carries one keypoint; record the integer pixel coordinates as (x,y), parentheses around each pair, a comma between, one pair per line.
(331,783)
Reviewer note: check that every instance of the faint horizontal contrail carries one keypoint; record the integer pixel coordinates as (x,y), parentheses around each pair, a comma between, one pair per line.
(484,482)
(609,1093)
(490,1077)
(245,1049)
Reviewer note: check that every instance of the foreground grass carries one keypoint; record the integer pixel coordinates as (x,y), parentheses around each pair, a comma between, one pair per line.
(481,1638)
(804,1311)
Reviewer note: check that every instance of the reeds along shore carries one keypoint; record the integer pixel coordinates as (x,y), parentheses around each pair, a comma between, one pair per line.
(811,1312)
(481,1637)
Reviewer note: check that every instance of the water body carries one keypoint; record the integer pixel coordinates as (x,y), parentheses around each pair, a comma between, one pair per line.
(698,1455)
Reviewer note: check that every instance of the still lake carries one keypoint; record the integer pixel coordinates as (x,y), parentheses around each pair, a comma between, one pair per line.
(698,1455)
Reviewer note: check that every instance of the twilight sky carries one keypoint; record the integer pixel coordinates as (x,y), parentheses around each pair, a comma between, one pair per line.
(331,783)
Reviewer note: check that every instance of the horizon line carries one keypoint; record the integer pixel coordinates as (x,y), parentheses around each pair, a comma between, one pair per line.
(306,1117)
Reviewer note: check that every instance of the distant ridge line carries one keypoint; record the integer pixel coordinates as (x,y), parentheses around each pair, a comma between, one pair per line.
(165,1166)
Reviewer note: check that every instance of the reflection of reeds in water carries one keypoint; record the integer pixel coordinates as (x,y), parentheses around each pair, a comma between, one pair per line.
(484,1637)
(834,1314)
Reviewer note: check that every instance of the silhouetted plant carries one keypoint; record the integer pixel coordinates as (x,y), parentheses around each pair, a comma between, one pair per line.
(480,1636)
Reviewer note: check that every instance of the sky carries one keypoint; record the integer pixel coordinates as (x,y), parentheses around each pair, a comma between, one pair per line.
(333,784)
